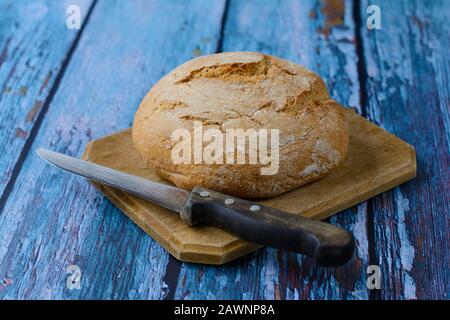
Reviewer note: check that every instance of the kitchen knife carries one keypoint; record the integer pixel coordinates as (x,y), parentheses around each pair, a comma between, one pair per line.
(325,243)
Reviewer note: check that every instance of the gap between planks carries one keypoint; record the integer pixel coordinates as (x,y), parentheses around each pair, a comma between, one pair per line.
(362,79)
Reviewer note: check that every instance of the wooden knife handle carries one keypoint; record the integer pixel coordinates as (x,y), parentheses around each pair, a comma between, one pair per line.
(325,243)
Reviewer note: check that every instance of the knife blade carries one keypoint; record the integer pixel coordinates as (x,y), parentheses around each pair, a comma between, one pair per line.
(166,196)
(325,243)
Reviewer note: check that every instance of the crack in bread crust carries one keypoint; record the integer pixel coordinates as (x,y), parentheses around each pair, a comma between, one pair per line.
(237,72)
(252,71)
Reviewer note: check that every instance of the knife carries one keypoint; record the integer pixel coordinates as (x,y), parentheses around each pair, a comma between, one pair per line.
(326,244)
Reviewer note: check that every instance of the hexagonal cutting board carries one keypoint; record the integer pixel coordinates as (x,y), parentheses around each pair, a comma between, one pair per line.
(377,161)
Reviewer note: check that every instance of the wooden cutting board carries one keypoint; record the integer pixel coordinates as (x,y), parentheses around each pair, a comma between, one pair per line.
(377,161)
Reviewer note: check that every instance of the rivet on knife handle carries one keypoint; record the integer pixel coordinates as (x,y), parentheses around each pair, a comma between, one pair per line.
(325,243)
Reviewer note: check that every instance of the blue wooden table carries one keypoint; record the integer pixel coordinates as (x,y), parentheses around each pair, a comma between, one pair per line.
(61,88)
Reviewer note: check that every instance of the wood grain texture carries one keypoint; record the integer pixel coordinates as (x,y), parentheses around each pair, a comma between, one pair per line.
(319,35)
(34,42)
(52,220)
(407,85)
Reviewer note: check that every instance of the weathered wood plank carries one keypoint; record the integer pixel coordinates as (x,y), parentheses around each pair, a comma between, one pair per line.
(321,37)
(407,87)
(34,42)
(52,220)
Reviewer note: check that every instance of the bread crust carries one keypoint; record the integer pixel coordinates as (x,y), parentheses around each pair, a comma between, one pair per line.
(243,90)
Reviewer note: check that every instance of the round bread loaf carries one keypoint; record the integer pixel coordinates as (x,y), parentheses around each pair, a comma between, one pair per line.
(242,90)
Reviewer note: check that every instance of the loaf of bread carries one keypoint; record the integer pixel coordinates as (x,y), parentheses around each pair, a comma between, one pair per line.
(241,90)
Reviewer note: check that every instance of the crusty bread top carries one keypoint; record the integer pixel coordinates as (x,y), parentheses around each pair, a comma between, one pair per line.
(243,90)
